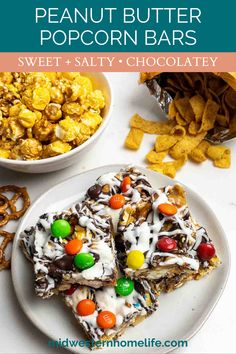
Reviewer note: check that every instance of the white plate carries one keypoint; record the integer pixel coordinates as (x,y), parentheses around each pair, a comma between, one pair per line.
(181,313)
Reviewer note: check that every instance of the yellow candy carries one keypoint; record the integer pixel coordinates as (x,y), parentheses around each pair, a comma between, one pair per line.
(135,259)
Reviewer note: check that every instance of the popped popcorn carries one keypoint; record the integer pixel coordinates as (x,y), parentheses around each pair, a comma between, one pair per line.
(46,114)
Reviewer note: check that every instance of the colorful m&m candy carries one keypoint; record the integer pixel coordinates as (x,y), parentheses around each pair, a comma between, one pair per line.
(117,201)
(61,228)
(167,209)
(84,261)
(124,286)
(73,246)
(206,251)
(125,184)
(94,191)
(106,319)
(135,259)
(71,291)
(86,307)
(166,244)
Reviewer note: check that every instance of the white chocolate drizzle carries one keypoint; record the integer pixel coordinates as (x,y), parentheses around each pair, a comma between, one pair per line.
(143,235)
(106,299)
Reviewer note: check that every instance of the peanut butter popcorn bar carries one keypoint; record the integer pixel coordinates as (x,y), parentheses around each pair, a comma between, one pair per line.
(162,242)
(113,190)
(71,247)
(106,313)
(46,114)
(158,247)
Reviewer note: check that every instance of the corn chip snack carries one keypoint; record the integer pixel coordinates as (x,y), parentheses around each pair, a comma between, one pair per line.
(172,110)
(178,131)
(184,108)
(46,114)
(186,145)
(165,142)
(201,108)
(199,154)
(134,139)
(217,152)
(169,168)
(220,155)
(225,162)
(194,128)
(176,92)
(209,116)
(156,157)
(150,127)
(198,105)
(180,120)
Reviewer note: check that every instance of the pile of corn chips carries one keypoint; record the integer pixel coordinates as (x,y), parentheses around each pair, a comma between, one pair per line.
(202,103)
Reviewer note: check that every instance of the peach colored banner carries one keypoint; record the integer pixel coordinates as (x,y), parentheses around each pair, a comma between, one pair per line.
(118,62)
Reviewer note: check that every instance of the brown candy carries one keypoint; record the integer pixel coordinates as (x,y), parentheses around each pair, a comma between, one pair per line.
(94,191)
(64,263)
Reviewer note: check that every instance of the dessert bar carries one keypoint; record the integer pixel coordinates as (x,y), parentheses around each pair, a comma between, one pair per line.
(105,313)
(161,240)
(71,247)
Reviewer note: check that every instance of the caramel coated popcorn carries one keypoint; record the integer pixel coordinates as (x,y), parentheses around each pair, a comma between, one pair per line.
(46,114)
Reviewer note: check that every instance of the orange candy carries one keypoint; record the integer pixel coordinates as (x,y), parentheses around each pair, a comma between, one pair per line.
(125,184)
(117,201)
(73,246)
(167,209)
(86,307)
(106,319)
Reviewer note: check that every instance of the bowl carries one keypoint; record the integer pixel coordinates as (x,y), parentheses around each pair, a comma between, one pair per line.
(101,82)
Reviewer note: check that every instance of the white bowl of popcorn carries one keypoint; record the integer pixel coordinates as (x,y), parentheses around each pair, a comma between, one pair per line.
(48,120)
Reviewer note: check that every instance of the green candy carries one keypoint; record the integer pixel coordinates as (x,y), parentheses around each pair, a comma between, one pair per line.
(84,261)
(124,286)
(61,228)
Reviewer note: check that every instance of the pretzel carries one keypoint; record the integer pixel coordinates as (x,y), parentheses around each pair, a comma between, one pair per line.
(7,203)
(7,238)
(3,202)
(4,217)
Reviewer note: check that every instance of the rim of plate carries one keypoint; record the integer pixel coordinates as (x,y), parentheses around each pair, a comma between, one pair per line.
(202,318)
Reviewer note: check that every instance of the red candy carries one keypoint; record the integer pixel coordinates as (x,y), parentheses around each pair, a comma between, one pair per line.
(206,251)
(166,244)
(125,184)
(71,290)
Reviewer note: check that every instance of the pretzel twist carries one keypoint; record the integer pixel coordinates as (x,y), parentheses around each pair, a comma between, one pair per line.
(10,203)
(7,238)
